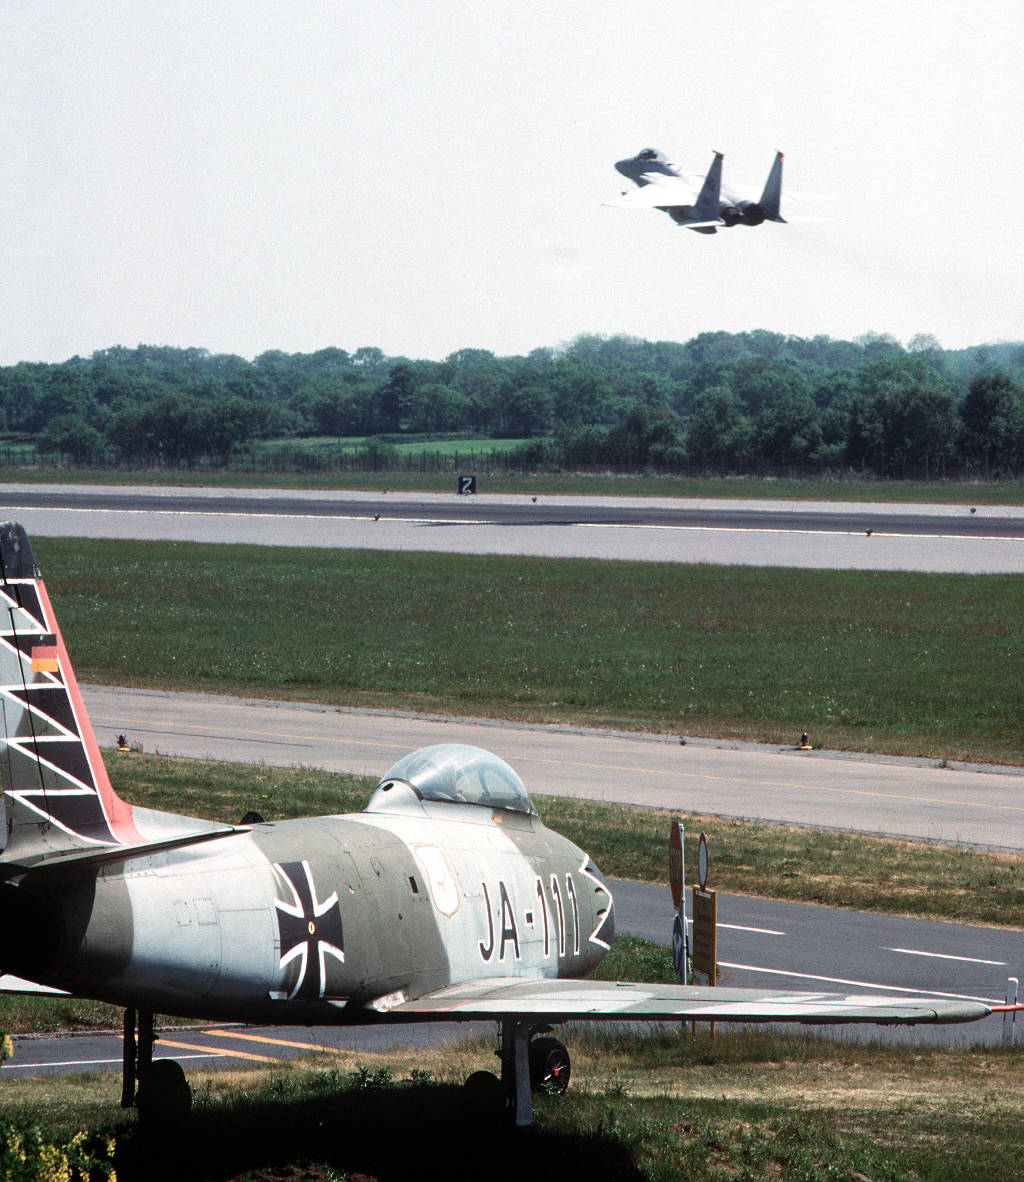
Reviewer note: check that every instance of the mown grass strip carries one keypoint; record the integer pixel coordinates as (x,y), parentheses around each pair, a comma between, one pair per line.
(937,492)
(907,663)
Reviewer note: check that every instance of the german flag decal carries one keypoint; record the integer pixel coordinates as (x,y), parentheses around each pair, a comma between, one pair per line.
(44,654)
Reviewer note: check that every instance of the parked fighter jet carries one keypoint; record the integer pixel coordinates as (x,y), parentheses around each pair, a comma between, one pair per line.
(446,898)
(704,209)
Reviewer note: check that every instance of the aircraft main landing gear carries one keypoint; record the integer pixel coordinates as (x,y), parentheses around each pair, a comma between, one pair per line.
(158,1090)
(550,1067)
(528,1065)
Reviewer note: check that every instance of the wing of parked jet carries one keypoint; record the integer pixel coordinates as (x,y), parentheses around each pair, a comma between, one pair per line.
(565,1000)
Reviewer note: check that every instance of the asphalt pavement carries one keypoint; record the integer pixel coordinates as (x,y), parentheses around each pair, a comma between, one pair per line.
(872,536)
(919,800)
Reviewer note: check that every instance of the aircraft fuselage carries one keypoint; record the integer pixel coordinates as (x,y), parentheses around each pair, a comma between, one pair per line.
(318,920)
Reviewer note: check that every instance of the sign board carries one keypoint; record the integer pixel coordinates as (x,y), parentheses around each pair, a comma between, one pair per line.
(702,861)
(466,486)
(675,863)
(705,937)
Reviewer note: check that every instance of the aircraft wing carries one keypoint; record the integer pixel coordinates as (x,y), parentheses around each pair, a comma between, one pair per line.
(662,193)
(559,1000)
(9,984)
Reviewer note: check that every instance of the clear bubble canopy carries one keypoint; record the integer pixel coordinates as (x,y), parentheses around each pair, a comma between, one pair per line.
(459,773)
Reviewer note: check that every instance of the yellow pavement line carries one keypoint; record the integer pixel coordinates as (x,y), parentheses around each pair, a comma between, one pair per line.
(277,1042)
(190,1046)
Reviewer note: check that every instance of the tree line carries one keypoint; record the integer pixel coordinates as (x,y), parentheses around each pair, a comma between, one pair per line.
(718,403)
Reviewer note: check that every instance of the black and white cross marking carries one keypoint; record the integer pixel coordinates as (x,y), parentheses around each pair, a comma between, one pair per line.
(310,932)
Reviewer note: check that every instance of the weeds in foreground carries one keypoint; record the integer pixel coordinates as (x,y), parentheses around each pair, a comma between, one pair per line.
(748,1105)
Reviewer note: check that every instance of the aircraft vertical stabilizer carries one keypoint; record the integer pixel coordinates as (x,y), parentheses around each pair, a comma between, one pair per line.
(57,793)
(707,202)
(772,194)
(702,216)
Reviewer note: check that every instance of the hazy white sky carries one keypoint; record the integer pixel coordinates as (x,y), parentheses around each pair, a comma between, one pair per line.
(425,176)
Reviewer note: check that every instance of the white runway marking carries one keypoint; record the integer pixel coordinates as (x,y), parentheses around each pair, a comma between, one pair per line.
(753,968)
(947,956)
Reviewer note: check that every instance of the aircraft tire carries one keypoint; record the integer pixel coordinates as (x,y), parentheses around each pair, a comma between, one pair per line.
(550,1066)
(164,1095)
(482,1094)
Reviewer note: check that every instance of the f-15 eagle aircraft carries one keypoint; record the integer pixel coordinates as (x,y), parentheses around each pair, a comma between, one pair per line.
(446,898)
(701,207)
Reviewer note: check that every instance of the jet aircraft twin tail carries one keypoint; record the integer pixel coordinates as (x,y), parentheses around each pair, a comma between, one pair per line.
(446,898)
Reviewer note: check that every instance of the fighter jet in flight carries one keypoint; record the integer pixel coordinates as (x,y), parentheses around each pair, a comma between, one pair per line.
(446,898)
(703,207)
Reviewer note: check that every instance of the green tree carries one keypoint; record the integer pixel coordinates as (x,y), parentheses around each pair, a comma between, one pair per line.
(71,436)
(646,436)
(391,400)
(436,406)
(529,410)
(228,422)
(853,432)
(993,419)
(788,432)
(718,435)
(921,426)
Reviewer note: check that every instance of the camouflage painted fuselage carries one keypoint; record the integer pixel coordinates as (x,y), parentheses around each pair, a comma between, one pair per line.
(316,920)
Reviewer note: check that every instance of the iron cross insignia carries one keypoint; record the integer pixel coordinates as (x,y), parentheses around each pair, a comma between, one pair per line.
(310,932)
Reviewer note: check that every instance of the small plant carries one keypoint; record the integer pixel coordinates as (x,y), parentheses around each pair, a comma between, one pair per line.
(371,1079)
(30,1153)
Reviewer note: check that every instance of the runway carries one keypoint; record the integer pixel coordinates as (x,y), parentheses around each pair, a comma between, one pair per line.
(950,538)
(887,796)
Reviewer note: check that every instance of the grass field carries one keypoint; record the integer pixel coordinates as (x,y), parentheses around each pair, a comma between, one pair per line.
(666,1108)
(1009,492)
(907,663)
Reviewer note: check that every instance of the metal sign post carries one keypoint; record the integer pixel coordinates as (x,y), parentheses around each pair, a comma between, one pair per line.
(676,880)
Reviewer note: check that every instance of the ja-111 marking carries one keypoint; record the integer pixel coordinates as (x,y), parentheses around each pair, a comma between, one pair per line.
(445,898)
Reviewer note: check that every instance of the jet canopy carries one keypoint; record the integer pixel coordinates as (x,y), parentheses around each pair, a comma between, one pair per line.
(459,774)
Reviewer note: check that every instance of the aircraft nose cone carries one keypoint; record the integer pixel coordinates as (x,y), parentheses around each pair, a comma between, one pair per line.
(623,166)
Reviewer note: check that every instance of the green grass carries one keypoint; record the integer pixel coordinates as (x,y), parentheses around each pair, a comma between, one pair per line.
(666,1107)
(446,446)
(1008,492)
(919,664)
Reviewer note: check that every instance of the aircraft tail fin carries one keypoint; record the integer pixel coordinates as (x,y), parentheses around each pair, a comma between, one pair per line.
(772,194)
(708,201)
(56,791)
